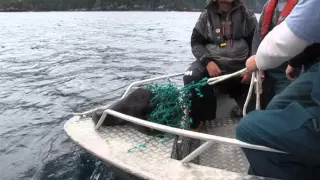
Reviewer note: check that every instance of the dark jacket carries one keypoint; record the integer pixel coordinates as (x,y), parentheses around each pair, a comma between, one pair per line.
(310,55)
(213,29)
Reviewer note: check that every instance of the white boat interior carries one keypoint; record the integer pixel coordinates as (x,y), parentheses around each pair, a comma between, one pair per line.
(211,154)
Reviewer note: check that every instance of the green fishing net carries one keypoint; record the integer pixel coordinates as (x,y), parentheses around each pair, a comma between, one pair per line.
(168,106)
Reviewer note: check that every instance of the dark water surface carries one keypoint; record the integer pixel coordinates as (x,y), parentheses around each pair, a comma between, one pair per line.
(55,63)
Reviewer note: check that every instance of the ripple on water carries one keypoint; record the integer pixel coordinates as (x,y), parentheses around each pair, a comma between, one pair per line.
(56,63)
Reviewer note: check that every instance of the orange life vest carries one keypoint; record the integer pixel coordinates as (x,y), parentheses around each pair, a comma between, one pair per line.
(268,14)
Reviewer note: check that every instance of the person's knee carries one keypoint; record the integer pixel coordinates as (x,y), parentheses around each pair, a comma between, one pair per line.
(192,75)
(244,130)
(275,103)
(189,78)
(313,68)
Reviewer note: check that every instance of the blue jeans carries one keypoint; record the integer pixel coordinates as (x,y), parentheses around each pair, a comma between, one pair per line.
(291,123)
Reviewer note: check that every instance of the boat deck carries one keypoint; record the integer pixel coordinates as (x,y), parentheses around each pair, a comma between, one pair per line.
(111,144)
(221,156)
(159,159)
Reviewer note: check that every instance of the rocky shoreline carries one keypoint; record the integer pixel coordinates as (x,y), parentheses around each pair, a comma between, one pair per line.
(107,8)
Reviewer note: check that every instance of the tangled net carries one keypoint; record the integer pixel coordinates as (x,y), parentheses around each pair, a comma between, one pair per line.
(168,104)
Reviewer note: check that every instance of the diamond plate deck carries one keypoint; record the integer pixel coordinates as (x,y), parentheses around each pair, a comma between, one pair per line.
(160,158)
(223,156)
(219,156)
(111,144)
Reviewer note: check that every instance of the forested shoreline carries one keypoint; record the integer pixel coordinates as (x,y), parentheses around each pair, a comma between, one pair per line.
(112,5)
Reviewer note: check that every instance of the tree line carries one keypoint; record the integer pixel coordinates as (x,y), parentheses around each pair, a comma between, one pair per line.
(152,5)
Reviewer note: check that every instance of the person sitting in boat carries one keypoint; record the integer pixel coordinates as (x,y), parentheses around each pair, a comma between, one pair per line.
(221,42)
(293,128)
(275,80)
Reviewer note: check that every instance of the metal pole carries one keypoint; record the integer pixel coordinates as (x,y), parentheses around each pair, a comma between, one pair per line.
(197,152)
(190,134)
(128,89)
(149,80)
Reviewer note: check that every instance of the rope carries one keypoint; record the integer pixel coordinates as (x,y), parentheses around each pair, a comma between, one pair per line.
(168,106)
(218,79)
(244,110)
(255,82)
(258,89)
(169,102)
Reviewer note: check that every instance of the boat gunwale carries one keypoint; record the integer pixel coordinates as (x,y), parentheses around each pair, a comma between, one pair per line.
(186,133)
(189,134)
(110,161)
(176,131)
(170,164)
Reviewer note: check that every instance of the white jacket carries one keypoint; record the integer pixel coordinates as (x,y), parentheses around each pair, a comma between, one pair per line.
(300,29)
(279,46)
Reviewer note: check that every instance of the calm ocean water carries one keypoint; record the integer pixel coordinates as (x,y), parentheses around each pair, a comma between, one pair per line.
(55,63)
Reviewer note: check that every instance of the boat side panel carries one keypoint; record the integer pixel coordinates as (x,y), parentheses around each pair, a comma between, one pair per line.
(153,162)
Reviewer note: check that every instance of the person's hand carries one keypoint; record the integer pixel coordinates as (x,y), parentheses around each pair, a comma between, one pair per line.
(213,69)
(251,64)
(246,78)
(292,73)
(262,76)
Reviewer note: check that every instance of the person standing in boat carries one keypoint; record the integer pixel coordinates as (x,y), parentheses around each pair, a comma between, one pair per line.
(295,128)
(221,42)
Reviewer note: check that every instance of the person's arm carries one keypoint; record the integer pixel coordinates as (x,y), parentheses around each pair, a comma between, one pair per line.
(198,40)
(251,25)
(257,37)
(279,46)
(309,54)
(199,50)
(300,29)
(256,40)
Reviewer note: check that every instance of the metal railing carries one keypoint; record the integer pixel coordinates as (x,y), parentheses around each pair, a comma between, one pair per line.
(210,139)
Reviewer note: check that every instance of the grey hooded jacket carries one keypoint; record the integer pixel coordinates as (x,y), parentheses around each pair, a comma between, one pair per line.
(224,38)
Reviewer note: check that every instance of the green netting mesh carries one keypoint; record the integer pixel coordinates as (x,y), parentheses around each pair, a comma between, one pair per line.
(168,104)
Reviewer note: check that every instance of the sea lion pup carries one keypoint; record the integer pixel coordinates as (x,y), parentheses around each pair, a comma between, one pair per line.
(136,104)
